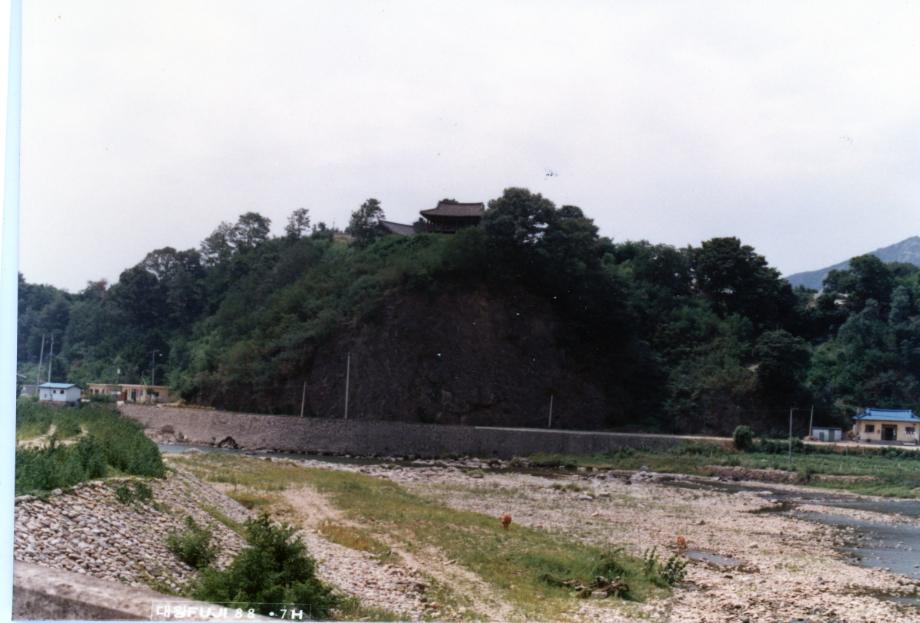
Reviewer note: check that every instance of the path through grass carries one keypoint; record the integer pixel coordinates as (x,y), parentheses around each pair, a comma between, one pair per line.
(524,565)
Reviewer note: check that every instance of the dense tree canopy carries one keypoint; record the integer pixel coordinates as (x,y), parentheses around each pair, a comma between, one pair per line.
(692,339)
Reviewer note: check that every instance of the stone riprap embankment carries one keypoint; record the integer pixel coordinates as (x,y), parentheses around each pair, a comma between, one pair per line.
(376,438)
(87,530)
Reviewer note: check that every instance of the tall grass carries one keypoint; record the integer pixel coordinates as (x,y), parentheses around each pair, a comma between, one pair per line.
(112,444)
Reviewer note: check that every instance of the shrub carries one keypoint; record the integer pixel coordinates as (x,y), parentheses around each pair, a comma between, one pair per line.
(134,491)
(193,546)
(781,446)
(674,570)
(609,565)
(698,449)
(274,570)
(743,438)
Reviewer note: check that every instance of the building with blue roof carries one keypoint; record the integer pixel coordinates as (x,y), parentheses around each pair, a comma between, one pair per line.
(887,425)
(59,393)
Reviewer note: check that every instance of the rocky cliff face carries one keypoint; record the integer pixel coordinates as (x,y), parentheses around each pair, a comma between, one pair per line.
(459,357)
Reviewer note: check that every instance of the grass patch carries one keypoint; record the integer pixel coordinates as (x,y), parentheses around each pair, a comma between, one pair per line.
(112,445)
(249,500)
(874,472)
(351,609)
(516,562)
(223,518)
(133,491)
(353,537)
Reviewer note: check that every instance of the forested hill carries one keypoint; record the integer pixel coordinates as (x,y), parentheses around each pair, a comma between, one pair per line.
(485,326)
(907,252)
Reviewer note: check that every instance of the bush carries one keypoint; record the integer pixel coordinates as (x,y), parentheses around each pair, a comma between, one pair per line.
(193,547)
(667,574)
(743,438)
(134,491)
(274,570)
(781,446)
(674,570)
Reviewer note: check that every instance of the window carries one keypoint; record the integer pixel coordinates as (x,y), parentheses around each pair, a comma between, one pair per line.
(870,428)
(909,430)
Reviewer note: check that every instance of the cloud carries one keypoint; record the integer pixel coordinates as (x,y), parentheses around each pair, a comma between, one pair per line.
(146,124)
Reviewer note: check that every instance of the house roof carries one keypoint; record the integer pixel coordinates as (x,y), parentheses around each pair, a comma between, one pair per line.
(56,385)
(466,210)
(398,228)
(887,415)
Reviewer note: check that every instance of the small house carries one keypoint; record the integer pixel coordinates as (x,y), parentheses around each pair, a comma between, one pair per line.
(148,394)
(827,433)
(59,393)
(887,425)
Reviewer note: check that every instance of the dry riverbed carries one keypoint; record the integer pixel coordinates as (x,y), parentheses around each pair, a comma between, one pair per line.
(748,561)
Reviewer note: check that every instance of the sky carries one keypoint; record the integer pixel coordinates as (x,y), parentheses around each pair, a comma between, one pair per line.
(793,126)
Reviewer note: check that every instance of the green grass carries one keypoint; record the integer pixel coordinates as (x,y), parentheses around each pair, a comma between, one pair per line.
(112,445)
(249,499)
(219,516)
(520,563)
(876,472)
(351,609)
(353,537)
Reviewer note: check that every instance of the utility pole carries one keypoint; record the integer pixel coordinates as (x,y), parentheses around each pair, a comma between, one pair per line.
(153,367)
(41,361)
(791,409)
(50,357)
(303,398)
(811,421)
(347,380)
(550,423)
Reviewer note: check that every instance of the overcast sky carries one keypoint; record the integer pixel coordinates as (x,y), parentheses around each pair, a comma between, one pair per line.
(795,127)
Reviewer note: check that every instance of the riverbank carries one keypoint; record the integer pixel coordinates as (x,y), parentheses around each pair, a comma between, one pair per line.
(883,472)
(749,559)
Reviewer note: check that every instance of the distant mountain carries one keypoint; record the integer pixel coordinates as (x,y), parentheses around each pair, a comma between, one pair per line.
(906,251)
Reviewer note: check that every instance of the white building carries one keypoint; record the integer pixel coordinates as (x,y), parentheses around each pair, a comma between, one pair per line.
(827,433)
(59,393)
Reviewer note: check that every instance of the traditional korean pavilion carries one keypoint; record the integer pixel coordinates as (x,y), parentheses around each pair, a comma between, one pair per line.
(450,216)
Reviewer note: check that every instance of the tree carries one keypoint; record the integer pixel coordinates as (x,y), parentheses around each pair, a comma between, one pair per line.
(217,248)
(867,278)
(736,280)
(251,230)
(321,232)
(298,223)
(782,365)
(518,218)
(364,225)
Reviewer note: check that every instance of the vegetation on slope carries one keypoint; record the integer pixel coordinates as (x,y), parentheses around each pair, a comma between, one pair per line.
(694,339)
(110,445)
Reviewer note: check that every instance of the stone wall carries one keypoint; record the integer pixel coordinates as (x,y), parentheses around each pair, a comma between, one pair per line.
(376,438)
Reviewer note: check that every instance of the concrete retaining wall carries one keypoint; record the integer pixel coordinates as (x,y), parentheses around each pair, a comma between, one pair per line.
(44,593)
(380,438)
